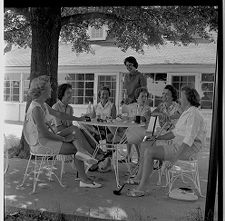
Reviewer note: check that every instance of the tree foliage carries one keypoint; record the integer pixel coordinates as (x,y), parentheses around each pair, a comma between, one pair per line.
(130,27)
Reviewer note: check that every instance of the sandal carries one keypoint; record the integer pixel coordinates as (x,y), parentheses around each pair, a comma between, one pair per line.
(136,193)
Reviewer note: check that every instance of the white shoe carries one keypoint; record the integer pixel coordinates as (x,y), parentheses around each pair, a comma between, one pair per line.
(85,157)
(90,185)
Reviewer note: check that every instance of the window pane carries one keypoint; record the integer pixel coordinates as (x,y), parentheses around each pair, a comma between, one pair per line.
(7,84)
(191,78)
(206,104)
(207,96)
(89,77)
(175,78)
(89,93)
(15,91)
(15,97)
(161,77)
(89,85)
(79,77)
(101,78)
(7,90)
(208,77)
(183,78)
(207,86)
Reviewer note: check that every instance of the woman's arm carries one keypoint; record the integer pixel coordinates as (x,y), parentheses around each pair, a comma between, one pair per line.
(63,116)
(41,126)
(167,136)
(113,111)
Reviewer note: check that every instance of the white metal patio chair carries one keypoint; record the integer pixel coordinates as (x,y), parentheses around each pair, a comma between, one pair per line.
(184,169)
(42,162)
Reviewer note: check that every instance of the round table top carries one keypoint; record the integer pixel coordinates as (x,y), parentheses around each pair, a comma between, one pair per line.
(114,123)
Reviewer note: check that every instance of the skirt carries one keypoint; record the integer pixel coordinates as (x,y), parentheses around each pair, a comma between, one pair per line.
(46,146)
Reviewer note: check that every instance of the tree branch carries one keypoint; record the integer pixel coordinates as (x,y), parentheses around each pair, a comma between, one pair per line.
(77,18)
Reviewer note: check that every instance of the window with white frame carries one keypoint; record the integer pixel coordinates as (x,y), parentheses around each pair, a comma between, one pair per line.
(178,81)
(82,86)
(11,90)
(110,82)
(207,86)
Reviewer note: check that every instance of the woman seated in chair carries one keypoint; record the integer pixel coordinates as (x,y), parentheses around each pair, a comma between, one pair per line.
(105,109)
(141,108)
(66,127)
(187,136)
(169,110)
(46,141)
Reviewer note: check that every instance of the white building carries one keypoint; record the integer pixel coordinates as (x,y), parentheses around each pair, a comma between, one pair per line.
(169,64)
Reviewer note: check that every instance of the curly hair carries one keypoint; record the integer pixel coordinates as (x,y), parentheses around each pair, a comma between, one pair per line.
(61,90)
(38,85)
(139,90)
(104,88)
(192,95)
(131,60)
(173,91)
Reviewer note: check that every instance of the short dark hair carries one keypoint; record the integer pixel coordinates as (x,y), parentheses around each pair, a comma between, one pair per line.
(192,95)
(61,90)
(132,60)
(104,88)
(139,90)
(173,91)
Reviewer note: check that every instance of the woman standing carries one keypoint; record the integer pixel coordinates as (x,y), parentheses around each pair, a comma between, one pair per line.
(42,140)
(133,80)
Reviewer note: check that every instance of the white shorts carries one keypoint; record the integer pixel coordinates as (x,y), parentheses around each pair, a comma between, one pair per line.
(172,152)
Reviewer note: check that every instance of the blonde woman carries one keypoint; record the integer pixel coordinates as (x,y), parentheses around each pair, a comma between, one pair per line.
(44,140)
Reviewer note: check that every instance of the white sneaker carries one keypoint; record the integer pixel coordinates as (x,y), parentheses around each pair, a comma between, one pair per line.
(85,157)
(90,185)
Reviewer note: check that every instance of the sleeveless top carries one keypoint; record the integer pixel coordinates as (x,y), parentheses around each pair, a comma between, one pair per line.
(30,130)
(103,111)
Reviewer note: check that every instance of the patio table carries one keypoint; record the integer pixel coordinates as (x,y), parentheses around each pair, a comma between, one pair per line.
(113,125)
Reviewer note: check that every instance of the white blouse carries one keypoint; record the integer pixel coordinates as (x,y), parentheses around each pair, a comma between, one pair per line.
(103,111)
(190,127)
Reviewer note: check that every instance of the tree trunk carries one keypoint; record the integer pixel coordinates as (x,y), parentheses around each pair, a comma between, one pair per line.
(45,26)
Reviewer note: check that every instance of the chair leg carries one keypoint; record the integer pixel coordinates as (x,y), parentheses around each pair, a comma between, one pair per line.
(25,174)
(37,172)
(62,169)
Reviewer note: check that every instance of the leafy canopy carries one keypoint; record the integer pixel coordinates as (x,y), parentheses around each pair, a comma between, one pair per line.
(130,27)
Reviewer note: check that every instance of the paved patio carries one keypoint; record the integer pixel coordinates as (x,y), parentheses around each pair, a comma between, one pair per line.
(99,202)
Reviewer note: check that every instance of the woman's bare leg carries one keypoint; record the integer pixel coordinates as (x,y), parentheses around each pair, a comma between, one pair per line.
(154,152)
(69,149)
